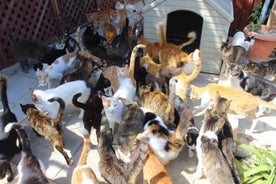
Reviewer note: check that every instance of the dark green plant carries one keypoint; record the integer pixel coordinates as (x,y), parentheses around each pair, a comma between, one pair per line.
(254,21)
(260,168)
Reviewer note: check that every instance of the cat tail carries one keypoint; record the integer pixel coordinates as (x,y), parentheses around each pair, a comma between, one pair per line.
(185,121)
(86,147)
(170,108)
(196,58)
(192,37)
(132,62)
(61,108)
(76,102)
(161,34)
(24,140)
(88,55)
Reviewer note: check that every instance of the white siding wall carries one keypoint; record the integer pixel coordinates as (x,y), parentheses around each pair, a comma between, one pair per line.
(214,30)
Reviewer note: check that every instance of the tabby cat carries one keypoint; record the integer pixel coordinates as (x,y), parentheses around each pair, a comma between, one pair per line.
(211,155)
(232,54)
(30,168)
(255,85)
(82,173)
(243,103)
(50,128)
(265,69)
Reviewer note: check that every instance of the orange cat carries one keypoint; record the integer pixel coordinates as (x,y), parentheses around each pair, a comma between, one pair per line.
(115,74)
(109,32)
(101,16)
(82,172)
(167,53)
(242,103)
(154,171)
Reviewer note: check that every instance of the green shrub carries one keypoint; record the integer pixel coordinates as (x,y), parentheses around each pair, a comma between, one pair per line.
(260,168)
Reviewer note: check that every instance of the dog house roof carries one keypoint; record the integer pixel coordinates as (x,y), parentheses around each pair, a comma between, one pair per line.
(223,7)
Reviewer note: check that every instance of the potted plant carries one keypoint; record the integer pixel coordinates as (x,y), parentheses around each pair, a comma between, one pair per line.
(264,36)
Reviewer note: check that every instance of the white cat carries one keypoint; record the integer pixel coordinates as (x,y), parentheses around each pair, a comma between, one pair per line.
(63,64)
(65,91)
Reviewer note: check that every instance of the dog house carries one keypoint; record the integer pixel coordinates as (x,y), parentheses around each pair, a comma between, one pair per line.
(210,19)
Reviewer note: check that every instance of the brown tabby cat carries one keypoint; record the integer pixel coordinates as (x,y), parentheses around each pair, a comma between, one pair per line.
(154,171)
(82,172)
(109,167)
(160,103)
(242,103)
(215,165)
(42,124)
(167,53)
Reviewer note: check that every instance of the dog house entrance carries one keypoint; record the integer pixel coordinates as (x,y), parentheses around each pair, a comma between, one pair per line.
(179,24)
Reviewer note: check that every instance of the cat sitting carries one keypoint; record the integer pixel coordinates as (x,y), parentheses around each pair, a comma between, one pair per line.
(30,168)
(7,139)
(211,155)
(255,85)
(65,91)
(243,103)
(49,127)
(82,173)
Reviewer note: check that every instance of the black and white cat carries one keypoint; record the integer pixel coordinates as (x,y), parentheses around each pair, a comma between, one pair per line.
(30,168)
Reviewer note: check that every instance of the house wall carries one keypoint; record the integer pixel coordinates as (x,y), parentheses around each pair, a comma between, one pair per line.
(215,28)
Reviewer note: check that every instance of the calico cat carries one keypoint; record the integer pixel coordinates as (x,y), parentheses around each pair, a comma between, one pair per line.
(165,143)
(7,140)
(127,88)
(211,155)
(109,167)
(255,85)
(82,173)
(167,53)
(161,104)
(92,111)
(154,171)
(65,91)
(232,54)
(243,103)
(44,125)
(265,69)
(30,168)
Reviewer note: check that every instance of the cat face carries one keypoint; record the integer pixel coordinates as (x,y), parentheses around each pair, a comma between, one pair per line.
(110,104)
(122,72)
(42,77)
(234,70)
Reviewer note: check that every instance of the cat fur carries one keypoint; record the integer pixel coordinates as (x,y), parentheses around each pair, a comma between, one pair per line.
(242,103)
(255,85)
(214,164)
(7,139)
(265,69)
(65,91)
(92,111)
(50,128)
(83,173)
(30,168)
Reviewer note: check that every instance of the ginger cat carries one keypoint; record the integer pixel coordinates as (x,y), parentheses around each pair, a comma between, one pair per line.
(184,80)
(82,172)
(110,32)
(167,53)
(154,171)
(243,103)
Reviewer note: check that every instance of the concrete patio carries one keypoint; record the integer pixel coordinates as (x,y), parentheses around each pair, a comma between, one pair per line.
(181,169)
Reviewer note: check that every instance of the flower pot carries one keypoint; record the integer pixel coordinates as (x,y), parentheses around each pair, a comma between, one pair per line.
(264,43)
